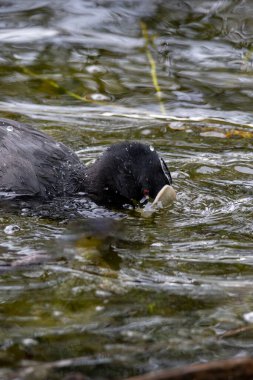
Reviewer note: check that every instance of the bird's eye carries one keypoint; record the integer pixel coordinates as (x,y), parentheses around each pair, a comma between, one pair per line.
(145,198)
(166,171)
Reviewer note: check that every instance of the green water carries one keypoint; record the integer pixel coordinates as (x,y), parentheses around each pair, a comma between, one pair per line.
(143,293)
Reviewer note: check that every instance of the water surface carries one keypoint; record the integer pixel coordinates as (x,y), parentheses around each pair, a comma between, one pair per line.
(113,294)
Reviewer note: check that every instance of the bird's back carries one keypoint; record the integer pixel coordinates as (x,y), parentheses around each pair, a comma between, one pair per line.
(33,164)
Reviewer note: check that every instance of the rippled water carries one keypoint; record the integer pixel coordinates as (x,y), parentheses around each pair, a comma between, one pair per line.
(109,294)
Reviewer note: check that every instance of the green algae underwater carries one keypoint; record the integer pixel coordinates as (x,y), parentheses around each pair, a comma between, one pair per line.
(111,294)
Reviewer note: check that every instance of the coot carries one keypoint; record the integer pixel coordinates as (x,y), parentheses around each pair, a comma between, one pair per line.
(33,164)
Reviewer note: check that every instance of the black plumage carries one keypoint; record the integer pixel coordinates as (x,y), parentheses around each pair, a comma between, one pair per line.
(33,164)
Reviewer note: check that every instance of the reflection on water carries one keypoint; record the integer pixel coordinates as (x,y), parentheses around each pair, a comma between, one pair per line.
(114,294)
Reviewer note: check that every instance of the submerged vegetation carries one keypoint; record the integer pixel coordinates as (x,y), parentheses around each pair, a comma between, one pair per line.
(110,295)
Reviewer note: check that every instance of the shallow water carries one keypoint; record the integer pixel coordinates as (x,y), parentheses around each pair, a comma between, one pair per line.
(113,294)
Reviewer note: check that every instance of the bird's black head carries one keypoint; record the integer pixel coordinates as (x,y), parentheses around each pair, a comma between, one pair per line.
(127,173)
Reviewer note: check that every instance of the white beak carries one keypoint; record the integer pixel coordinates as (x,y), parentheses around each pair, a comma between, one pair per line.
(165,197)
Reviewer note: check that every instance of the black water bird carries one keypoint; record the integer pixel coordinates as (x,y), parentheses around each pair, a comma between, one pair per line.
(33,164)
